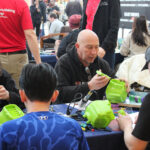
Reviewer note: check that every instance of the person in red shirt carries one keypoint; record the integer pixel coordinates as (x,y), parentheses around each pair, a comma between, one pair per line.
(15,28)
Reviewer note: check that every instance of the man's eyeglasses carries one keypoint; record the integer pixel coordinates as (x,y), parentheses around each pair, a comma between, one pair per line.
(87,70)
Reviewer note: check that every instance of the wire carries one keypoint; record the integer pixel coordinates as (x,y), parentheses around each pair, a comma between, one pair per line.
(77,97)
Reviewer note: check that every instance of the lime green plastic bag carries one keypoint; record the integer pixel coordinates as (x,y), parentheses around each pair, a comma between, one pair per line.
(99,113)
(102,74)
(122,112)
(10,112)
(116,91)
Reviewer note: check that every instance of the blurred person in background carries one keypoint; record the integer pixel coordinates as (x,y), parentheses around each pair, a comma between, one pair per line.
(138,40)
(69,41)
(55,27)
(36,17)
(73,7)
(53,8)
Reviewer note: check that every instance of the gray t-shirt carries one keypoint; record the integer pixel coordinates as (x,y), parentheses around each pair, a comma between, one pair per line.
(55,27)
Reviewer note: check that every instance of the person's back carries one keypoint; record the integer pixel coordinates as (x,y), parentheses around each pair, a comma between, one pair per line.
(67,42)
(138,40)
(73,7)
(39,128)
(42,130)
(11,32)
(130,48)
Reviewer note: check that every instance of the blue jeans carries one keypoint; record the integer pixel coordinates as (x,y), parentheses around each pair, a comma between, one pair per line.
(110,58)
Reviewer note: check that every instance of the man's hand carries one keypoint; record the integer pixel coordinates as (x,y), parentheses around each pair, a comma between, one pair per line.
(124,121)
(101,52)
(4,94)
(126,84)
(98,82)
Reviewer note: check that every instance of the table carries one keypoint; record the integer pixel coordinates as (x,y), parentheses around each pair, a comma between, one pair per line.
(47,58)
(98,140)
(50,59)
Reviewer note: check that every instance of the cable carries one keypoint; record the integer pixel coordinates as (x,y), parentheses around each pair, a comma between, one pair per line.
(77,97)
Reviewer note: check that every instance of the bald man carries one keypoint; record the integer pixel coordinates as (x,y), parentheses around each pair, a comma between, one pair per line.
(77,69)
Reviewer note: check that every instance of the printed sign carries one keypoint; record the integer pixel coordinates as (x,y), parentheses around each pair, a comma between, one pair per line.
(131,9)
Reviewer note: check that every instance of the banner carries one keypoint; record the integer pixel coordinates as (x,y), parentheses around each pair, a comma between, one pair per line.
(131,9)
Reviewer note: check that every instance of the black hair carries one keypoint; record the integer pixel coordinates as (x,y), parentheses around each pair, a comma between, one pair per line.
(53,15)
(140,27)
(38,81)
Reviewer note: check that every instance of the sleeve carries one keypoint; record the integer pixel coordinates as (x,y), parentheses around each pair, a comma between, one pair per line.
(105,68)
(125,47)
(26,20)
(63,45)
(109,42)
(142,128)
(3,144)
(80,8)
(83,142)
(83,21)
(8,134)
(67,9)
(9,84)
(67,89)
(83,145)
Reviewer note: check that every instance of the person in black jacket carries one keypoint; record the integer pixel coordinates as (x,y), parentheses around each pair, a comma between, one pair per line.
(42,7)
(104,21)
(76,69)
(73,7)
(69,40)
(36,18)
(9,94)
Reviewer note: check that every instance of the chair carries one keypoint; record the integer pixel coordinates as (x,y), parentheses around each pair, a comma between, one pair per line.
(50,45)
(64,31)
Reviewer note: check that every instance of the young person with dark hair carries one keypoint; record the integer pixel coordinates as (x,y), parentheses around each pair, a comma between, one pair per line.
(138,40)
(40,129)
